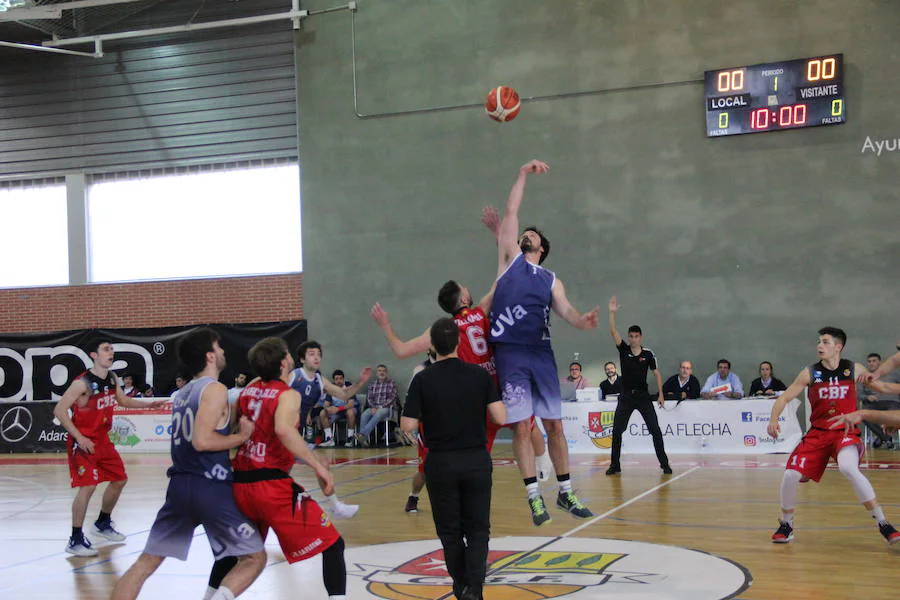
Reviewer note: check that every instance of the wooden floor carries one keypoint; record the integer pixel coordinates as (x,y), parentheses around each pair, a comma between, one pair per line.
(643,542)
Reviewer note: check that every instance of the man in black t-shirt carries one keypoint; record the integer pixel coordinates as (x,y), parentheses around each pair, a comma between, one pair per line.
(636,361)
(452,399)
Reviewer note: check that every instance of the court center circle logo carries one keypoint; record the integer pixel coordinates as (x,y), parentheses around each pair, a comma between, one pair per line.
(16,424)
(532,568)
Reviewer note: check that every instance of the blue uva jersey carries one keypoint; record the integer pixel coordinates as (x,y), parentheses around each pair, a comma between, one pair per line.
(520,311)
(310,390)
(185,458)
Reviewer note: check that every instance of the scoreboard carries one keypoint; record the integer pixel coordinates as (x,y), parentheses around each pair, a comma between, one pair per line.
(806,92)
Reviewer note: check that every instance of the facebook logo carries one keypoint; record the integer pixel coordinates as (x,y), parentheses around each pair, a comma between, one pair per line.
(747,417)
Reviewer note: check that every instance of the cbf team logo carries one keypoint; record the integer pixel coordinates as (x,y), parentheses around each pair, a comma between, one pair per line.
(124,432)
(536,568)
(600,426)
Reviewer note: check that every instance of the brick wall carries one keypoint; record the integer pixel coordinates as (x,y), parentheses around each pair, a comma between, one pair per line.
(152,304)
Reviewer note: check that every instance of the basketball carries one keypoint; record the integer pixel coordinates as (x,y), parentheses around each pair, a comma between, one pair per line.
(502,103)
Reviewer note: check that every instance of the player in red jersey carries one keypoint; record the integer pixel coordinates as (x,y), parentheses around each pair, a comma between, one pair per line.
(473,323)
(832,392)
(263,487)
(92,457)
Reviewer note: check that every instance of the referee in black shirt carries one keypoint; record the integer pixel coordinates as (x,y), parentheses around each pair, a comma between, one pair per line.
(452,399)
(635,361)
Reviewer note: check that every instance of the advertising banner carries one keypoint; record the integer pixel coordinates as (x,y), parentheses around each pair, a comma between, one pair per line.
(41,366)
(714,426)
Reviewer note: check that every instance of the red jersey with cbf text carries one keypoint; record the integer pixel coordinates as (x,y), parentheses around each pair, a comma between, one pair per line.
(263,450)
(831,392)
(473,342)
(94,419)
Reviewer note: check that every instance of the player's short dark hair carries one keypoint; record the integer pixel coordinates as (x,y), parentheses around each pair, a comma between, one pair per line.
(448,297)
(265,358)
(576,363)
(94,346)
(308,344)
(875,354)
(765,362)
(636,329)
(193,347)
(836,333)
(723,361)
(444,336)
(545,243)
(378,366)
(338,372)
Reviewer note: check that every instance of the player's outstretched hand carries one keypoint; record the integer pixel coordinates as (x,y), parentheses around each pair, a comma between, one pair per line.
(589,319)
(534,166)
(246,427)
(379,315)
(490,218)
(614,305)
(773,429)
(365,374)
(158,404)
(866,378)
(326,482)
(848,420)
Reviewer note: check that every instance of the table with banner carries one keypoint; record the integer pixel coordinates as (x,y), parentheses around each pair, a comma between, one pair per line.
(690,426)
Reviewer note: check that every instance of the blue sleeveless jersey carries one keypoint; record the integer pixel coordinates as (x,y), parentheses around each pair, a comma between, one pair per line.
(311,390)
(185,458)
(520,311)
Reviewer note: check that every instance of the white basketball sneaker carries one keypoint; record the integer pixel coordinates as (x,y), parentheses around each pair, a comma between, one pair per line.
(344,511)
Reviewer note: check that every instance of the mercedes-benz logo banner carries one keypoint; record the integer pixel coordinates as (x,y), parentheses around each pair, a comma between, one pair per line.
(29,427)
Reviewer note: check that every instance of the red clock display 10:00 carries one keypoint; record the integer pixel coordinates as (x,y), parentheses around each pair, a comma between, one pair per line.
(783,116)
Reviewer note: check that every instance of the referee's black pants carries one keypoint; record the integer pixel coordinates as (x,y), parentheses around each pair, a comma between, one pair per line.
(459,487)
(643,403)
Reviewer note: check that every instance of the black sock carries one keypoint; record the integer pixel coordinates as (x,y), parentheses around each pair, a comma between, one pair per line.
(563,477)
(104,517)
(77,533)
(220,569)
(334,570)
(529,480)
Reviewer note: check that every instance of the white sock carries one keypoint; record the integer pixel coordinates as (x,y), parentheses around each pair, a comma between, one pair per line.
(878,515)
(565,486)
(223,593)
(787,517)
(350,432)
(328,433)
(533,490)
(209,593)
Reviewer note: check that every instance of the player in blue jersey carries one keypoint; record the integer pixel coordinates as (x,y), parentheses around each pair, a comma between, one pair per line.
(200,478)
(313,387)
(520,331)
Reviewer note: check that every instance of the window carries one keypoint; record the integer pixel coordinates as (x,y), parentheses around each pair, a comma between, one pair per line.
(34,243)
(208,224)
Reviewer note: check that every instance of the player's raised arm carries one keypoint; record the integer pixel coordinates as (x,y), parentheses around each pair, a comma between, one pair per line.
(569,313)
(484,305)
(614,307)
(885,368)
(400,348)
(507,242)
(347,393)
(793,390)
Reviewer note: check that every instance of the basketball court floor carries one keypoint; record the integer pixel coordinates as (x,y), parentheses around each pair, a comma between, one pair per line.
(702,533)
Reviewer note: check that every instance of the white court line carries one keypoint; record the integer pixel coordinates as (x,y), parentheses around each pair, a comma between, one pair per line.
(628,502)
(350,462)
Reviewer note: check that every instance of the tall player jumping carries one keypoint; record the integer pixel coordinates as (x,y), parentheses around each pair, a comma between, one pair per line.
(520,331)
(473,324)
(832,392)
(92,457)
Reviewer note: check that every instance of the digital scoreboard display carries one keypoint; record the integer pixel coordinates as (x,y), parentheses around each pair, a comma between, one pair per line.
(806,92)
